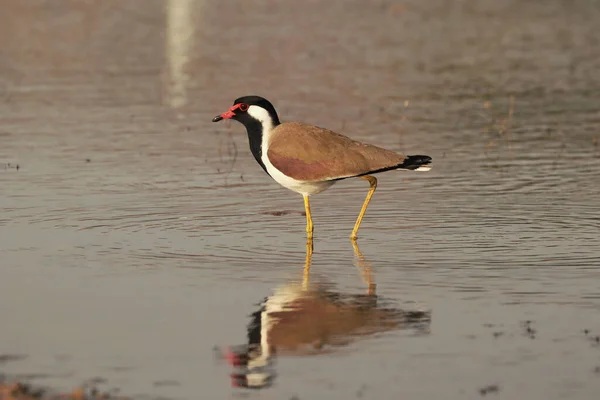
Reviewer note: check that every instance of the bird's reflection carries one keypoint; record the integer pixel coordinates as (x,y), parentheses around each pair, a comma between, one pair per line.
(304,318)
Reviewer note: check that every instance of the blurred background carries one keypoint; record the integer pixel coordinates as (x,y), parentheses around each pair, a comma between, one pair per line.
(137,238)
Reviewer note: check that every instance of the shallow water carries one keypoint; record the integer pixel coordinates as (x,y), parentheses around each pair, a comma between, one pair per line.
(136,235)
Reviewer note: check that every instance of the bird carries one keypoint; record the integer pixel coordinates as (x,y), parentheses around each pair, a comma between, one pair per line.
(308,159)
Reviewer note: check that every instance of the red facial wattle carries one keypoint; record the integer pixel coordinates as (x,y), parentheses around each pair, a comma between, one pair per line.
(227,114)
(231,112)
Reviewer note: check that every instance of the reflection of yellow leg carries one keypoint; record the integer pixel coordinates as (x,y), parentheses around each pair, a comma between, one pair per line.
(309,224)
(307,263)
(365,268)
(373,181)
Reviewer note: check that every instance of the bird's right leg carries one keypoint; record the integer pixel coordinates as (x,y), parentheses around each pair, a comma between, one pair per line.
(309,223)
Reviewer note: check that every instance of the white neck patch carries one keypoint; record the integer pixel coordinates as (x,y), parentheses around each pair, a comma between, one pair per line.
(263,116)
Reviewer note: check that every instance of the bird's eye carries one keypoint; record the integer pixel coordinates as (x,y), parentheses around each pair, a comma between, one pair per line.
(244,107)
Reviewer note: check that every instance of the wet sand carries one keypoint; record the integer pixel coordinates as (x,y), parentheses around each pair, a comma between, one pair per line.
(137,238)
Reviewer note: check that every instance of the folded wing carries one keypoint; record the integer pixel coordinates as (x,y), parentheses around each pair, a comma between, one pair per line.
(309,153)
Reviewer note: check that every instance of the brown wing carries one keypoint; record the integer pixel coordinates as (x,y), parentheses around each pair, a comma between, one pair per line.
(310,153)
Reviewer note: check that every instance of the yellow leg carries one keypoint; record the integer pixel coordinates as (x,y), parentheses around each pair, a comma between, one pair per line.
(309,224)
(307,263)
(373,181)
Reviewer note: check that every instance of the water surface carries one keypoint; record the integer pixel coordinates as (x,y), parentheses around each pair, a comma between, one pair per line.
(136,235)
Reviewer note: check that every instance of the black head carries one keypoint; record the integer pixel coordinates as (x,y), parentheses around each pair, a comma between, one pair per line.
(249,109)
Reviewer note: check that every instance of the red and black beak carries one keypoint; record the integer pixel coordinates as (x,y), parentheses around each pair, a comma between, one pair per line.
(228,114)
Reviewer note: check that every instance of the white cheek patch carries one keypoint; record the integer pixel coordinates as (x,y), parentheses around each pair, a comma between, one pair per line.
(263,116)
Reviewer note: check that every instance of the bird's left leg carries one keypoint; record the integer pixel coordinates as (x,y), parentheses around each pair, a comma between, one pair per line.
(373,181)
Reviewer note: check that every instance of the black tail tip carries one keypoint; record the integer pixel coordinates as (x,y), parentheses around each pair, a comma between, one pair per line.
(415,162)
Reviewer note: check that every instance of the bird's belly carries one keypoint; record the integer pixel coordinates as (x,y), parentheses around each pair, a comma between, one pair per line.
(302,187)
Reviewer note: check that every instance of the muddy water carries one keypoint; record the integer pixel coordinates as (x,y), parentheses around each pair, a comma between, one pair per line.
(137,237)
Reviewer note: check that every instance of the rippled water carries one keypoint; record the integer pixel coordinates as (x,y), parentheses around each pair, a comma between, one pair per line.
(136,235)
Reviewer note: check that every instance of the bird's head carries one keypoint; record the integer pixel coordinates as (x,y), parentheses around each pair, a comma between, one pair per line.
(249,109)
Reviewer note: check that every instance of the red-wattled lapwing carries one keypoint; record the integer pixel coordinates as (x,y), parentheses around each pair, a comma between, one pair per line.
(308,159)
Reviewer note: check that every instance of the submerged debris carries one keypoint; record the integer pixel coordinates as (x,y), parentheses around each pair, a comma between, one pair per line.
(11,166)
(283,212)
(489,389)
(594,339)
(11,357)
(24,391)
(529,331)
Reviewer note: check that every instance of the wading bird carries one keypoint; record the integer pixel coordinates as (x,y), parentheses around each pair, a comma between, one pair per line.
(308,159)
